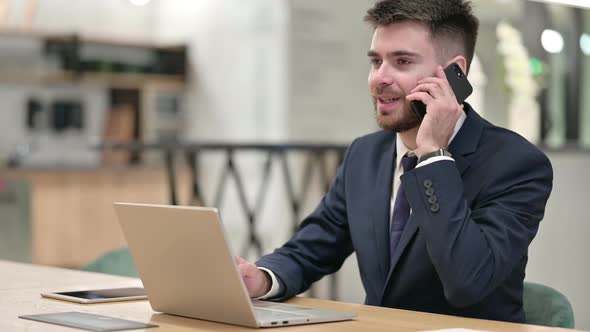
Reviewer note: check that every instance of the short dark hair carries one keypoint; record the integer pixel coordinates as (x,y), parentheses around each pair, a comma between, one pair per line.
(448,20)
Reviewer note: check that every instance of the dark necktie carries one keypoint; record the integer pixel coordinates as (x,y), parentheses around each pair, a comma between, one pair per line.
(401,208)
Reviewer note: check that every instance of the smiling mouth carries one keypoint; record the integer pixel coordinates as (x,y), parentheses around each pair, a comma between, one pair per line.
(388,100)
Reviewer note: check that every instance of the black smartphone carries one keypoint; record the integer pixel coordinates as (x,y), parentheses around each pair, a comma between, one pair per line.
(459,83)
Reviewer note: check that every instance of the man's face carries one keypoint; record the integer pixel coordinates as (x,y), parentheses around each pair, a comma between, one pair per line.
(401,54)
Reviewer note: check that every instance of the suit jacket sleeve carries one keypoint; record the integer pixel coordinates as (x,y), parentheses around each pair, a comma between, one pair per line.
(475,248)
(320,245)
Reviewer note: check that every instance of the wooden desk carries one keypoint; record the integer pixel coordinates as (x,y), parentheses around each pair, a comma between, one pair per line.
(21,284)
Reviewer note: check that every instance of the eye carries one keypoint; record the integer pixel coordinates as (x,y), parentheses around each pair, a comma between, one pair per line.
(375,61)
(403,62)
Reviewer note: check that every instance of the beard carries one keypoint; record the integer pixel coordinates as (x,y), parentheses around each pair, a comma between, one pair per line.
(400,120)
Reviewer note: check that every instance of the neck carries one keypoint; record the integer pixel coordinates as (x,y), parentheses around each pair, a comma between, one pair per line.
(409,138)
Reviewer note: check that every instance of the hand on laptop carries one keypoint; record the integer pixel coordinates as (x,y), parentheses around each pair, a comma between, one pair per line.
(257,281)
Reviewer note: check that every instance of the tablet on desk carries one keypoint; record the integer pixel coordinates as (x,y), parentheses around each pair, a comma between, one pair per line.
(100,295)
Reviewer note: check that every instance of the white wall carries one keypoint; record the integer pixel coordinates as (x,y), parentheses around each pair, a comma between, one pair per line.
(237,57)
(237,94)
(328,71)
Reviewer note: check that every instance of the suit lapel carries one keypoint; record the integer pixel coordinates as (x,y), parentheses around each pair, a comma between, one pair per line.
(462,163)
(380,209)
(407,235)
(467,139)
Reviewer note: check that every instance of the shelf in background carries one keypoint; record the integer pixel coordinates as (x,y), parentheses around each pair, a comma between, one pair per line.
(114,80)
(52,58)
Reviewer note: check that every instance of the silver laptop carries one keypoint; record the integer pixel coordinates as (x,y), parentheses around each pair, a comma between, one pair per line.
(187,269)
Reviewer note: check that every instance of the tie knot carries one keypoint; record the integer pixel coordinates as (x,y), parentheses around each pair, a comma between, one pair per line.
(409,163)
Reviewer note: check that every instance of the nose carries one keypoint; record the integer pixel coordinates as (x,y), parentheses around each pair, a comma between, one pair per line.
(382,76)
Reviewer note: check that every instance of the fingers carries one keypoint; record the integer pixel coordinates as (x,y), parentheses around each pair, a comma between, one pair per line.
(254,278)
(246,268)
(440,73)
(432,89)
(441,81)
(421,96)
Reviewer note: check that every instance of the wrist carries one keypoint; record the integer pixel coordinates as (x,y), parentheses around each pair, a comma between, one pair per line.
(423,150)
(435,153)
(266,284)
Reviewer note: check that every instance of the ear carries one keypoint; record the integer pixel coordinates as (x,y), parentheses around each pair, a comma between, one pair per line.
(461,61)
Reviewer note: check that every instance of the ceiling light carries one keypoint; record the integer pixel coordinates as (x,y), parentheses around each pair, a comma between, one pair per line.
(585,43)
(552,41)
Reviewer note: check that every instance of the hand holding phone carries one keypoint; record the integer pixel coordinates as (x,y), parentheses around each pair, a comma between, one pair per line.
(458,82)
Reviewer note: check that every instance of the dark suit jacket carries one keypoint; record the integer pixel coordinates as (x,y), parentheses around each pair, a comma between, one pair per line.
(466,258)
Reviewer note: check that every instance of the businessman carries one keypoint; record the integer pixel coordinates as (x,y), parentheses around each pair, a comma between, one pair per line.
(440,211)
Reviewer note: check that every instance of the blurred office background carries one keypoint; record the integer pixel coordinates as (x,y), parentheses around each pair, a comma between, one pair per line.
(203,95)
